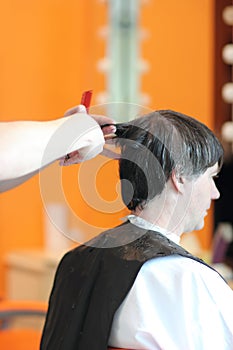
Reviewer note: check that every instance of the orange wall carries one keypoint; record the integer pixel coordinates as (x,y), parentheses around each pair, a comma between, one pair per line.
(48,55)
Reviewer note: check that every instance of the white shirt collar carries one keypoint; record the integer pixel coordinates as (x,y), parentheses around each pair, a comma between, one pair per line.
(142,223)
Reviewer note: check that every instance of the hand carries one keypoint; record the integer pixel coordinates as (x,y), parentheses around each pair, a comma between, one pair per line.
(78,156)
(100,119)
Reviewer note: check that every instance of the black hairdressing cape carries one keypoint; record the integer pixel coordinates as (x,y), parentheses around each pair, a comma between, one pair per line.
(91,283)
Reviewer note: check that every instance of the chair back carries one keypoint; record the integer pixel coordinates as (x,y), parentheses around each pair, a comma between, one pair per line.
(21,324)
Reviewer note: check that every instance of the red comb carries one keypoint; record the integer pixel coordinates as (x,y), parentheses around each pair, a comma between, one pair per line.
(86,99)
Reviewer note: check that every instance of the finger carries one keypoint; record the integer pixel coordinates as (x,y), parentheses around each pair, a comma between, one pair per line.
(109,130)
(101,119)
(109,137)
(71,158)
(75,109)
(110,154)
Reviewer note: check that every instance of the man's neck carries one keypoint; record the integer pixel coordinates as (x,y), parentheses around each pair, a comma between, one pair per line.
(165,214)
(142,223)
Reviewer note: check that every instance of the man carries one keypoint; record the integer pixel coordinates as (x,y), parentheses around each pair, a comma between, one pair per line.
(29,146)
(134,286)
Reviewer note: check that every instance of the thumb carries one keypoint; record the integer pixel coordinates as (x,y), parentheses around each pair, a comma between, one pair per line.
(76,109)
(81,109)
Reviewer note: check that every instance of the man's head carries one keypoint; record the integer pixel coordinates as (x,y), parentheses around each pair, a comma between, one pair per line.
(158,145)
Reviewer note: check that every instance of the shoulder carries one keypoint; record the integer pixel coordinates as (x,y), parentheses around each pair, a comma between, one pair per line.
(175,278)
(176,265)
(167,271)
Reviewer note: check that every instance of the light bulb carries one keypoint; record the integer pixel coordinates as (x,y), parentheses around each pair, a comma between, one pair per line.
(227,15)
(227,92)
(227,54)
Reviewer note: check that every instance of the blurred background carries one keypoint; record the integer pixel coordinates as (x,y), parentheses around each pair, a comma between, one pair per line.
(155,53)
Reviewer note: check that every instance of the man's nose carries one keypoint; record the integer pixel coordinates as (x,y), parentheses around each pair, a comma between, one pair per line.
(215,192)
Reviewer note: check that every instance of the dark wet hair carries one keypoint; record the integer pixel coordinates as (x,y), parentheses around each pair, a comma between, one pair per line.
(154,145)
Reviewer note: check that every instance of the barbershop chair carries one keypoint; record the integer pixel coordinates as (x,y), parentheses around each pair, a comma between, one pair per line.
(19,324)
(16,335)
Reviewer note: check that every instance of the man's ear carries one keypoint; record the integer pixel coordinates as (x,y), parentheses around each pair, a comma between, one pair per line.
(177,181)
